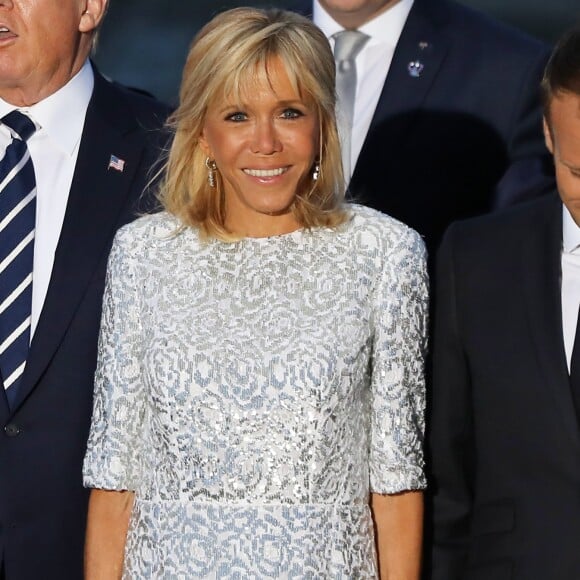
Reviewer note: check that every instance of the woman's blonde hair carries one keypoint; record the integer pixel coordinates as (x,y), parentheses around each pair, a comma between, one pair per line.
(229,53)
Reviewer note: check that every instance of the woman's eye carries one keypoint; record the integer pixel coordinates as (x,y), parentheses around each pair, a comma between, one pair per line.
(291,113)
(236,117)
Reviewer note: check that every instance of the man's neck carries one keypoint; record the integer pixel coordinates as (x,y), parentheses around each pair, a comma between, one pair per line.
(356,18)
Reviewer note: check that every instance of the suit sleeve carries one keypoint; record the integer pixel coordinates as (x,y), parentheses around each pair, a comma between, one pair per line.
(451,441)
(530,171)
(112,460)
(398,373)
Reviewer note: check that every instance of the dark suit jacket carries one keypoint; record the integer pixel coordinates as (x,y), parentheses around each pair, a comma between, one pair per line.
(465,137)
(505,441)
(42,501)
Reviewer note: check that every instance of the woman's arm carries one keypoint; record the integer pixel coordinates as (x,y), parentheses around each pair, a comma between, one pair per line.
(108,521)
(399,529)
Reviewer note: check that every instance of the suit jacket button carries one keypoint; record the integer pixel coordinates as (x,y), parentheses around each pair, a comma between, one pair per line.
(12,430)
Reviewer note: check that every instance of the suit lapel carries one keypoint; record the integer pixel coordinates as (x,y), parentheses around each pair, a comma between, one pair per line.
(541,276)
(421,49)
(98,194)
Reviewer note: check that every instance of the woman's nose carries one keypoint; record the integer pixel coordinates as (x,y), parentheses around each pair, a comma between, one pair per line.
(266,138)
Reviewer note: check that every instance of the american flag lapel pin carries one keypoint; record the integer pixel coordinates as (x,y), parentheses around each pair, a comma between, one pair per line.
(116,163)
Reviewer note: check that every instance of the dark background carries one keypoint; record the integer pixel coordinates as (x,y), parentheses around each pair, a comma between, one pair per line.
(144,43)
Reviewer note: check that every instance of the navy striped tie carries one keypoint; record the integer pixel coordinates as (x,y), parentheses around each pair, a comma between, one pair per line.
(17,222)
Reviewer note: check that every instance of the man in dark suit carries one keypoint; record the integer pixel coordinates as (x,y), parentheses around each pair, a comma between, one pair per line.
(505,421)
(447,114)
(91,146)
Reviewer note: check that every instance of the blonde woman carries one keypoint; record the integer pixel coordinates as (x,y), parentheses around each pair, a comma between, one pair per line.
(259,395)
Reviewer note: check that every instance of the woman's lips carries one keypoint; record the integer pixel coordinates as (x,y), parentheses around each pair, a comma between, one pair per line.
(274,172)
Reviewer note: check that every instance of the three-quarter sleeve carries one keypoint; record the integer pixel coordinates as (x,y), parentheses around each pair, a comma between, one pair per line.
(112,460)
(398,368)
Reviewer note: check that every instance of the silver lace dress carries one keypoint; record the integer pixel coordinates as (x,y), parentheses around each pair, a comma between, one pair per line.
(254,393)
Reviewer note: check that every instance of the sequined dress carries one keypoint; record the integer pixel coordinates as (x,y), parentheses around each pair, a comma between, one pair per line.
(254,393)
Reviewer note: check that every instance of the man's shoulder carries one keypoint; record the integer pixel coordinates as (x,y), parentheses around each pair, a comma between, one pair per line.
(149,112)
(469,23)
(140,99)
(303,7)
(501,229)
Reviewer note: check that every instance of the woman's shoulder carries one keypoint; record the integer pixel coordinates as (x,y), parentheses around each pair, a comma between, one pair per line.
(148,236)
(382,233)
(149,230)
(149,227)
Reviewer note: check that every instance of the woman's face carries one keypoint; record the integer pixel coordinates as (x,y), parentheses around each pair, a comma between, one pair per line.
(264,148)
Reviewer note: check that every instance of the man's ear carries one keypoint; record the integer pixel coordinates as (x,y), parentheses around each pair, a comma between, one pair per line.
(92,15)
(548,135)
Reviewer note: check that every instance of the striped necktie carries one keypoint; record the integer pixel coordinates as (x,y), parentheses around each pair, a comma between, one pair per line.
(17,222)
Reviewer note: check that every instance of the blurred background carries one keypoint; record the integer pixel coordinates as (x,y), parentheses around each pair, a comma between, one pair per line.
(144,43)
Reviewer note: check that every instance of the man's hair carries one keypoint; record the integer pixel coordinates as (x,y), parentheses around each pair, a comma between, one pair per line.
(562,73)
(228,56)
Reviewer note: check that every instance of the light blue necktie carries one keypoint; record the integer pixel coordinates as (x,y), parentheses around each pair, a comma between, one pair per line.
(347,45)
(17,223)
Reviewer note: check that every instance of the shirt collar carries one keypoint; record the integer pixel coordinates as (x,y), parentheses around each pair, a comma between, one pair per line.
(62,114)
(570,231)
(386,28)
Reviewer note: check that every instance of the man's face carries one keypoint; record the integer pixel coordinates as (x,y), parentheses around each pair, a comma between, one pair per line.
(43,43)
(354,13)
(562,133)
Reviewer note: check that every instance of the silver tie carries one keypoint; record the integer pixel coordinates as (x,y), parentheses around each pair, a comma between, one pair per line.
(347,45)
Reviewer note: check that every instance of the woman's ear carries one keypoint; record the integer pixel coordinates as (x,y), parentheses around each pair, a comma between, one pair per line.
(204,145)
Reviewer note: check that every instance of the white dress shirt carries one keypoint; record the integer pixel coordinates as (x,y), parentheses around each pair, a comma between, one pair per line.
(54,147)
(570,280)
(372,63)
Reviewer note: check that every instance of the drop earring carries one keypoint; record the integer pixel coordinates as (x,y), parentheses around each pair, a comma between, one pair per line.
(316,171)
(211,171)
